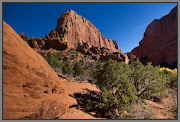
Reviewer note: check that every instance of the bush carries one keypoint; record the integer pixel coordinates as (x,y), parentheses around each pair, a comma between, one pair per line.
(90,106)
(148,80)
(122,84)
(78,70)
(99,66)
(53,61)
(67,69)
(172,78)
(117,92)
(93,72)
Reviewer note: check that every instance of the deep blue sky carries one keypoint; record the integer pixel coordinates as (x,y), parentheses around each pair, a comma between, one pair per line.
(123,22)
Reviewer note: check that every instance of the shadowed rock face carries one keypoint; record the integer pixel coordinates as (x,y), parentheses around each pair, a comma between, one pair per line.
(74,31)
(159,44)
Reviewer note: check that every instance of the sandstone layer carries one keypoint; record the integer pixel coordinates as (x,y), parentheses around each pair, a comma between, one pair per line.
(159,44)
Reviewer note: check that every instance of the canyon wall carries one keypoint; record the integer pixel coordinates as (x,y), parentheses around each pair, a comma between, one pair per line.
(159,44)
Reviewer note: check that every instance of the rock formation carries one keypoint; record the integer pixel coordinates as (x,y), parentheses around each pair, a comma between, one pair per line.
(74,31)
(159,44)
(77,31)
(31,89)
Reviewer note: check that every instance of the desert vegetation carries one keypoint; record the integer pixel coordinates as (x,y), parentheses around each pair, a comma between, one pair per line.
(124,87)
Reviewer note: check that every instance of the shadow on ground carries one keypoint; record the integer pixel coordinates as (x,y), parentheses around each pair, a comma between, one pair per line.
(90,102)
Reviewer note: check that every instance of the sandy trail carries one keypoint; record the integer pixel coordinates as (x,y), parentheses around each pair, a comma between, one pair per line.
(71,88)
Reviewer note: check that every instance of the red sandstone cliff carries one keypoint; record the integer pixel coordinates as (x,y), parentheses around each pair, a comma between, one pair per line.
(77,31)
(159,44)
(74,31)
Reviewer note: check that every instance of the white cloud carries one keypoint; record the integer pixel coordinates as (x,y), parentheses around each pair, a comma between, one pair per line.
(141,26)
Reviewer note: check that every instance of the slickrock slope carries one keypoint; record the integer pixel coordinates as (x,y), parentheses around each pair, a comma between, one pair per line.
(27,78)
(74,31)
(159,44)
(31,89)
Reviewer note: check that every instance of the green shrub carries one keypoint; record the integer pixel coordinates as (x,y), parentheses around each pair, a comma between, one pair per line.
(172,78)
(148,80)
(78,70)
(53,61)
(117,91)
(79,106)
(67,69)
(59,56)
(93,72)
(90,106)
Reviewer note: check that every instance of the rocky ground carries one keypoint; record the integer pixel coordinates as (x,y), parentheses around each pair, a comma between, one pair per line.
(164,109)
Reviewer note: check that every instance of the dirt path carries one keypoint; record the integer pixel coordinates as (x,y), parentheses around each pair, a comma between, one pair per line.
(163,110)
(156,105)
(71,88)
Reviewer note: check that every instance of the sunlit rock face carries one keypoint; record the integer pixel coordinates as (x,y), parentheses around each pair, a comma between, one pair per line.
(29,83)
(74,31)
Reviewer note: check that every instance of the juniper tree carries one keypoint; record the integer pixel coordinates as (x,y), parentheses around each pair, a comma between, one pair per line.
(147,79)
(117,91)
